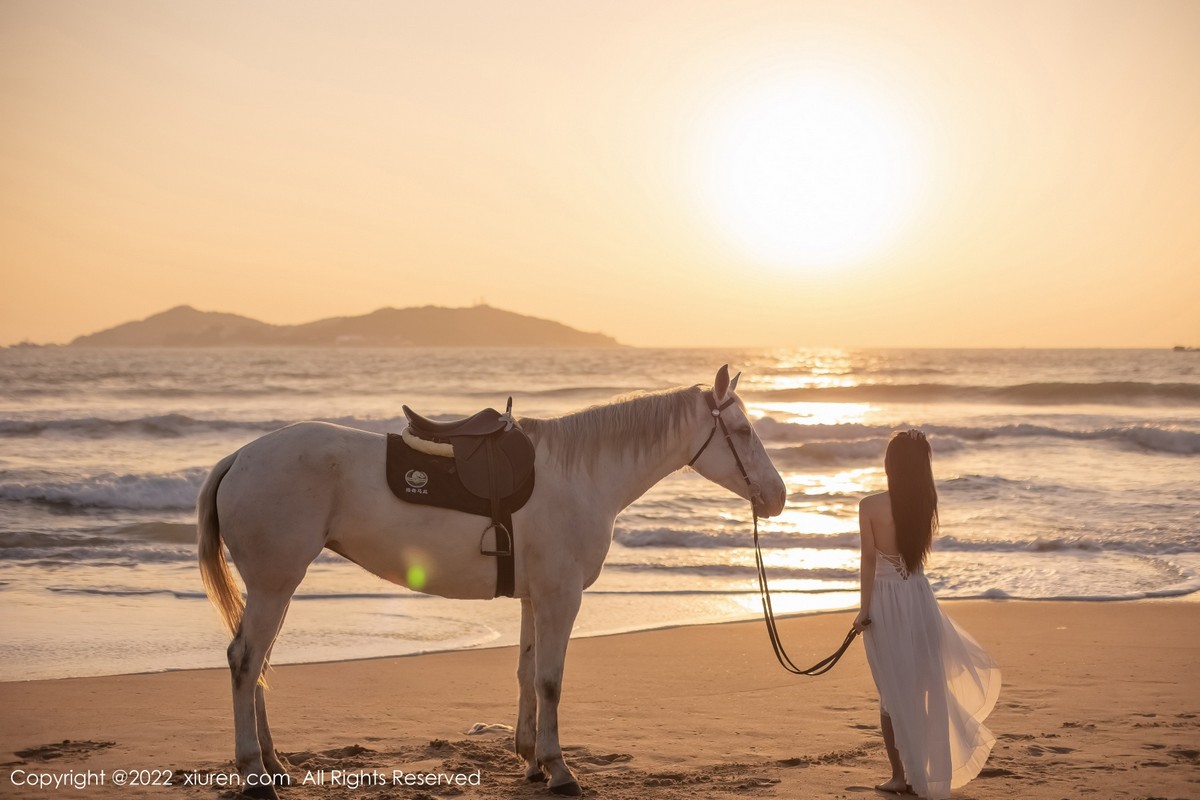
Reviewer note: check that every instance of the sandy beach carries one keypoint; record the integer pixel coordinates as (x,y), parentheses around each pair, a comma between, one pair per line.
(1097,701)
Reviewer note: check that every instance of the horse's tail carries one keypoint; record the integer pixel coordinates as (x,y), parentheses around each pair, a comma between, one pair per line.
(214,569)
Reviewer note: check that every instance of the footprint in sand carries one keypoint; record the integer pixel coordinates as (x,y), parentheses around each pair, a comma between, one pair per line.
(605,760)
(1086,726)
(64,749)
(844,756)
(1192,756)
(338,757)
(665,779)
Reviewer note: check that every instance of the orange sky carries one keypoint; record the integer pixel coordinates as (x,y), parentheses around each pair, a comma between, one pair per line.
(614,166)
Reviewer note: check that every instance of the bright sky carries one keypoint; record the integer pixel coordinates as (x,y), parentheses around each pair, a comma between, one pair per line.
(670,173)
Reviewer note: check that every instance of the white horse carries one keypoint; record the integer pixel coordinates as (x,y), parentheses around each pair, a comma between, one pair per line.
(284,497)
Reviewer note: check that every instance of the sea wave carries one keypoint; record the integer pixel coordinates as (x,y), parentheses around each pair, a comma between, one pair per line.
(601,392)
(301,594)
(163,491)
(1050,393)
(163,426)
(821,443)
(835,443)
(1182,588)
(677,537)
(150,533)
(991,487)
(736,571)
(125,592)
(841,452)
(696,539)
(173,426)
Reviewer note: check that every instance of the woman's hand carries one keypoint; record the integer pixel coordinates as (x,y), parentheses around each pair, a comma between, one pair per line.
(861,621)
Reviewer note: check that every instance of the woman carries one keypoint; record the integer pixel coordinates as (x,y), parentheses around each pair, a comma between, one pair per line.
(936,684)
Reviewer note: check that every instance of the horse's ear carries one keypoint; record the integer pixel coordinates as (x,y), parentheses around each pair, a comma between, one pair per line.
(733,383)
(721,383)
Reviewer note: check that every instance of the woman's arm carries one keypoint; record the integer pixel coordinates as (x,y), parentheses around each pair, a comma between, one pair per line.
(866,569)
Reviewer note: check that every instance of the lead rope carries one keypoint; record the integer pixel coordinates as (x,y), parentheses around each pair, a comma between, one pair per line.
(785,661)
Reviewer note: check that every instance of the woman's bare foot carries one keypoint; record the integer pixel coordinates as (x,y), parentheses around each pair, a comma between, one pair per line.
(895,786)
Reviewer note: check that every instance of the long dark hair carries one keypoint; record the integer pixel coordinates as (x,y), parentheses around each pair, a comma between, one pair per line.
(909,467)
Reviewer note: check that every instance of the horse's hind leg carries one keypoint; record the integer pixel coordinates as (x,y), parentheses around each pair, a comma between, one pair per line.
(527,698)
(265,743)
(247,656)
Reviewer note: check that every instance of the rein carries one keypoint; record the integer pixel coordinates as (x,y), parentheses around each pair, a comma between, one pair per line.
(785,661)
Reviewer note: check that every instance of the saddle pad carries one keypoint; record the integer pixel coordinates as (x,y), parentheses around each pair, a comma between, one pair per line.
(433,481)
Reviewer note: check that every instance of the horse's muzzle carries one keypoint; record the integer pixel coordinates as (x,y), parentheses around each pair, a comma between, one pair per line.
(768,508)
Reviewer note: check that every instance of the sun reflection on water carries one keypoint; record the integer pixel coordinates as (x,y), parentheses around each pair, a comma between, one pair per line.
(799,363)
(799,603)
(846,482)
(809,521)
(811,559)
(799,413)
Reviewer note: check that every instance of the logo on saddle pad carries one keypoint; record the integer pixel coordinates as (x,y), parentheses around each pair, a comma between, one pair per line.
(416,479)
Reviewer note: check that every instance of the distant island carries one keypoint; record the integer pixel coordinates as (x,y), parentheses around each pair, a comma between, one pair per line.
(427,326)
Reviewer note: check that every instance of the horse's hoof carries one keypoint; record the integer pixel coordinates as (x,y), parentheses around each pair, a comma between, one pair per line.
(570,789)
(537,777)
(278,771)
(260,792)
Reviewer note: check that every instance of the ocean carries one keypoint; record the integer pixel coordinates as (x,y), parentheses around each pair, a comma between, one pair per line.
(1063,474)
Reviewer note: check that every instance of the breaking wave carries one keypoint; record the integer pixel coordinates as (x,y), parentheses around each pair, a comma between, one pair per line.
(1105,392)
(169,491)
(684,538)
(834,443)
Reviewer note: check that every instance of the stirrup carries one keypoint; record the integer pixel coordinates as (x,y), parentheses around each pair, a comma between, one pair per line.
(508,541)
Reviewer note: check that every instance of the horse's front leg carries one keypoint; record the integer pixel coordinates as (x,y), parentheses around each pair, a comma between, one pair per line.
(527,699)
(554,616)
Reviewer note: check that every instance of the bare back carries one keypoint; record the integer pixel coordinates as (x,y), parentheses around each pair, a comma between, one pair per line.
(876,518)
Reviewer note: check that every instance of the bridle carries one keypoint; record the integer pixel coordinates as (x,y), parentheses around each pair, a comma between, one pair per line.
(785,661)
(717,421)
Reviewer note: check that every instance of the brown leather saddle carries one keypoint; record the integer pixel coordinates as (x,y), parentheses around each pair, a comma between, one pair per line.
(493,455)
(489,473)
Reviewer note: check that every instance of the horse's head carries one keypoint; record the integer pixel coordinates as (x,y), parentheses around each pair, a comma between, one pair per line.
(729,452)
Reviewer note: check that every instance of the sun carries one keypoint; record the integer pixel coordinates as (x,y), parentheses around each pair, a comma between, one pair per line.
(808,171)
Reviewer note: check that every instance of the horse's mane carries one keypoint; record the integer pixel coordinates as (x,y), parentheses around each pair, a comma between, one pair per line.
(635,423)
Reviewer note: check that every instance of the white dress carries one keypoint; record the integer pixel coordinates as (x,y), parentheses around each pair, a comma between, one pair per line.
(934,680)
